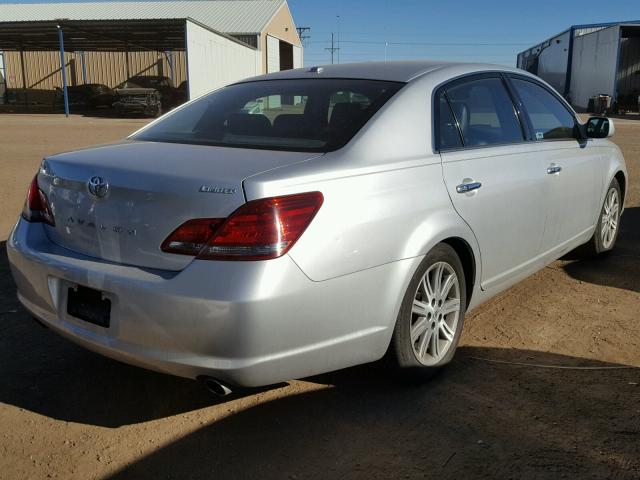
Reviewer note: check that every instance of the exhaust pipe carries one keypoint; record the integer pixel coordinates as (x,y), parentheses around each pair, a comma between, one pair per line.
(215,386)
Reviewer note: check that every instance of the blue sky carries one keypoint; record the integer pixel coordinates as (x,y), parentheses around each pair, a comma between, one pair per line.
(464,30)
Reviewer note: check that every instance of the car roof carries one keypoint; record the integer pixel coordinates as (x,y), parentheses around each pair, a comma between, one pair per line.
(390,71)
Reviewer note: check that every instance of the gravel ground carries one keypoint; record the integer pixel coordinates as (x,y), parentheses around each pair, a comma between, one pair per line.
(68,413)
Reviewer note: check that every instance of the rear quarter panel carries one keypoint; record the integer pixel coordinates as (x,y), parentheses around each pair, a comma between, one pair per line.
(614,163)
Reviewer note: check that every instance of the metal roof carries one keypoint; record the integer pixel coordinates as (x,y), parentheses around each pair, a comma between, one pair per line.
(584,29)
(98,35)
(228,16)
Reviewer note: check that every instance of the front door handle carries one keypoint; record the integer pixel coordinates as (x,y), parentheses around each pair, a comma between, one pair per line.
(468,187)
(551,169)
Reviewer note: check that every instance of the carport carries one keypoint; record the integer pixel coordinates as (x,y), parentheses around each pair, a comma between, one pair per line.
(206,50)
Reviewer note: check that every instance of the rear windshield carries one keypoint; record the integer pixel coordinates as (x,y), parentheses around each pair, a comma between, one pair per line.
(317,115)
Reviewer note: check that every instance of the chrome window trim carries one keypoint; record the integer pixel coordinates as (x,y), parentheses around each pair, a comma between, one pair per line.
(435,111)
(554,94)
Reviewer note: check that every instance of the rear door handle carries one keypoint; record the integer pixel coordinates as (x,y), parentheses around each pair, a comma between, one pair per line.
(551,169)
(468,187)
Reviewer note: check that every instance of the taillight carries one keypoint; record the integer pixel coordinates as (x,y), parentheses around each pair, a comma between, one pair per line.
(192,236)
(258,230)
(36,207)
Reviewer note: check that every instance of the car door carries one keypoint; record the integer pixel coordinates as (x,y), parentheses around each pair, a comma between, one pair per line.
(494,176)
(573,166)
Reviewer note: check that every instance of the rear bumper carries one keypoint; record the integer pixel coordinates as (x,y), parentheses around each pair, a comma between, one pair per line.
(246,323)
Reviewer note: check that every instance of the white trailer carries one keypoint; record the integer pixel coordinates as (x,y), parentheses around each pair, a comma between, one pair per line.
(585,61)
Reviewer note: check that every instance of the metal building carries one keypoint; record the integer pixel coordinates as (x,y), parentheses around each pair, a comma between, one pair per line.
(205,43)
(585,61)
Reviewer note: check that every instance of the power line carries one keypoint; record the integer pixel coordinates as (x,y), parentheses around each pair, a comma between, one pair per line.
(439,44)
(428,44)
(422,33)
(413,55)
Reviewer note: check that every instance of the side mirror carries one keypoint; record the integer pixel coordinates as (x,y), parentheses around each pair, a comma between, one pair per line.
(599,127)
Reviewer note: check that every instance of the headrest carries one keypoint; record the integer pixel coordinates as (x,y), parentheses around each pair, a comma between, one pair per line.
(290,125)
(249,124)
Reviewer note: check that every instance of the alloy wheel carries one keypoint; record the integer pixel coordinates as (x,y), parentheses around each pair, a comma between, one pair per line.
(435,313)
(610,218)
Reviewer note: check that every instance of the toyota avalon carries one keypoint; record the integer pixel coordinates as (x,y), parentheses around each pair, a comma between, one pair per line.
(315,219)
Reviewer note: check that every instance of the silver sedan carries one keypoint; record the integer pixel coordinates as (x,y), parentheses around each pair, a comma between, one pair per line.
(311,220)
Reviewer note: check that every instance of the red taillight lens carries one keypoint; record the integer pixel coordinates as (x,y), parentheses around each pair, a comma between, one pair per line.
(259,230)
(192,236)
(36,207)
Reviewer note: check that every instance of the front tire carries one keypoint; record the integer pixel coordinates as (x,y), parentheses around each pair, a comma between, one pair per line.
(431,317)
(606,233)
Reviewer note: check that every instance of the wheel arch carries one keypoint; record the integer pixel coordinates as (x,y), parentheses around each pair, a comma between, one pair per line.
(468,260)
(622,182)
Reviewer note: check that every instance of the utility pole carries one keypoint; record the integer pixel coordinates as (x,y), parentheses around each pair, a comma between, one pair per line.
(301,34)
(333,49)
(338,51)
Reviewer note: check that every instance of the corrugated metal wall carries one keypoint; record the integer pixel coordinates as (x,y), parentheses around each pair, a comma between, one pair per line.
(42,69)
(629,67)
(549,60)
(216,61)
(593,69)
(586,31)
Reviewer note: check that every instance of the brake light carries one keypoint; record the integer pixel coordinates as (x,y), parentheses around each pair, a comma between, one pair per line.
(192,236)
(36,207)
(258,230)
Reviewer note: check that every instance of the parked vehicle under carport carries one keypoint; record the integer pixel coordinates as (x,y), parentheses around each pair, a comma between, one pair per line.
(138,100)
(149,95)
(88,95)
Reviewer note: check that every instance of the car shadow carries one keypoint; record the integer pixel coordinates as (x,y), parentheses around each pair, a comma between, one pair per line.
(493,413)
(621,267)
(478,419)
(42,372)
(111,113)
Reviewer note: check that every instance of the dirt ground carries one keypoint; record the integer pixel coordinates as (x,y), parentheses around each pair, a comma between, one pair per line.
(68,413)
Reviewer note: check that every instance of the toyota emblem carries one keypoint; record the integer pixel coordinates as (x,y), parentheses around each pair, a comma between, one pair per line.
(98,187)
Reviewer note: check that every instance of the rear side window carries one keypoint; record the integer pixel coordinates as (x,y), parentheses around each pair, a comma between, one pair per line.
(449,133)
(549,118)
(485,112)
(317,115)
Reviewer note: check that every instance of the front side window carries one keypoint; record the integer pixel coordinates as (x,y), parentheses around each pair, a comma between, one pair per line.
(316,115)
(485,112)
(549,118)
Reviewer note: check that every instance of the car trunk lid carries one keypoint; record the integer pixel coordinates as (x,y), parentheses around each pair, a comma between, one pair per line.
(119,202)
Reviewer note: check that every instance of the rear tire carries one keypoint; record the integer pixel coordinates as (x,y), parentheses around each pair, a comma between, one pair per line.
(606,233)
(431,317)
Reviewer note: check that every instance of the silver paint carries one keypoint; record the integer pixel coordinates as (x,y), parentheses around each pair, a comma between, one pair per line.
(332,301)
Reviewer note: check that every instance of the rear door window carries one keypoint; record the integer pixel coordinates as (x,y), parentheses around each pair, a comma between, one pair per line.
(550,119)
(485,113)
